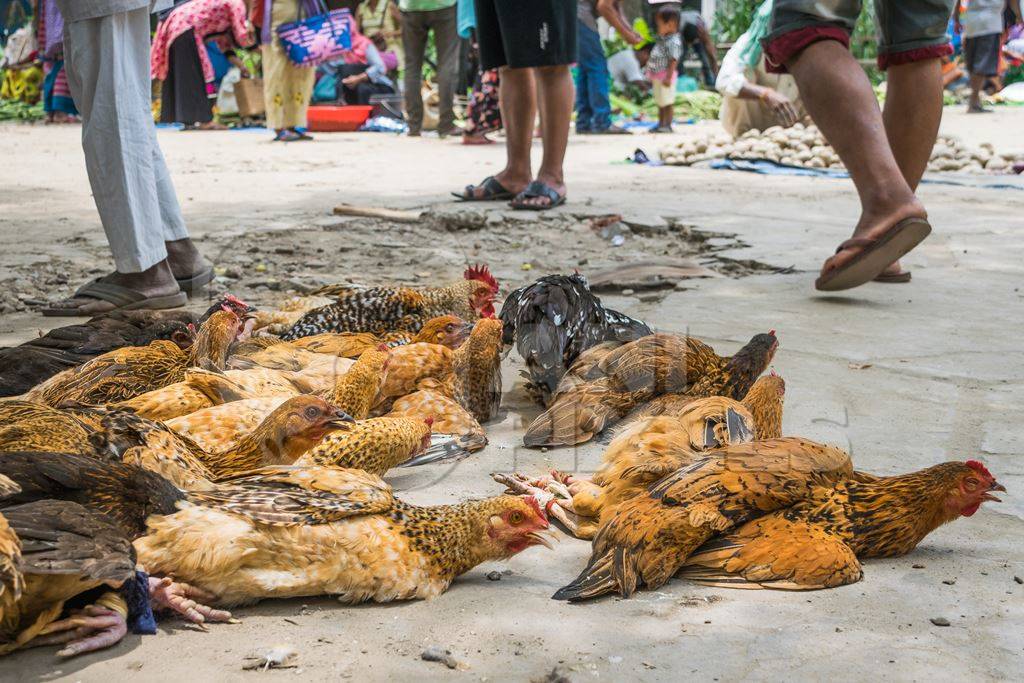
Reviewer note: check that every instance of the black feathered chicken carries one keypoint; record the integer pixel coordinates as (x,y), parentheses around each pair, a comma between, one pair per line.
(554,320)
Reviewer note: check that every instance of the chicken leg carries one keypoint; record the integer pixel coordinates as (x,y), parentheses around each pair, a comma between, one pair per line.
(551,494)
(184,600)
(88,629)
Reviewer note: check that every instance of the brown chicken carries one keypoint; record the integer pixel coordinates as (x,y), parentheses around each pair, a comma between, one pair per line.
(652,535)
(819,541)
(380,310)
(290,532)
(638,457)
(74,518)
(375,445)
(606,383)
(449,417)
(764,401)
(446,330)
(27,426)
(471,375)
(291,430)
(220,427)
(131,371)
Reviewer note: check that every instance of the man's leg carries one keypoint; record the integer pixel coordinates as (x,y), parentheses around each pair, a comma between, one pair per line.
(590,67)
(414,43)
(839,98)
(446,38)
(518,103)
(107,62)
(584,112)
(555,98)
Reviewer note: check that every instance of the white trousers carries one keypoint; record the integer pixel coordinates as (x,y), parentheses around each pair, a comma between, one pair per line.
(107,63)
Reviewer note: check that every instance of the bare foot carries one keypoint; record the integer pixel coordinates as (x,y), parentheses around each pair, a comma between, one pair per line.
(86,630)
(476,139)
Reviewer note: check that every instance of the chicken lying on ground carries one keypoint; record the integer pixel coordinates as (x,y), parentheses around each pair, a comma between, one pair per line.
(651,535)
(380,310)
(221,426)
(27,426)
(23,367)
(290,532)
(555,319)
(288,432)
(446,330)
(471,375)
(131,371)
(68,523)
(639,456)
(818,542)
(605,383)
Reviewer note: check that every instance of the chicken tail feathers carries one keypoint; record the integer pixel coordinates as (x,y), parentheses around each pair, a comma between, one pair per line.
(614,571)
(447,448)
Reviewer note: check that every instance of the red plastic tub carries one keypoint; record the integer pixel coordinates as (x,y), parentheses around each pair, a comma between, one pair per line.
(325,119)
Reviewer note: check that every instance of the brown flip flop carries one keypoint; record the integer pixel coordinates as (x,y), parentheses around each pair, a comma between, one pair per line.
(893,278)
(875,256)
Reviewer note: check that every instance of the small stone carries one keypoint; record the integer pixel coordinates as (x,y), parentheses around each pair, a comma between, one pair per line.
(284,250)
(627,292)
(917,566)
(838,630)
(940,621)
(949,582)
(1018,579)
(436,653)
(494,576)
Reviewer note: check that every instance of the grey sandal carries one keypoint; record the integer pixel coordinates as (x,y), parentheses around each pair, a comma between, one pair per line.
(534,190)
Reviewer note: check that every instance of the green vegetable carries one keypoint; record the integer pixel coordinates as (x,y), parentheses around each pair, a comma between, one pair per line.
(13,110)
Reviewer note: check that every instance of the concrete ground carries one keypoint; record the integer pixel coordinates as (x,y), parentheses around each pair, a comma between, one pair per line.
(904,376)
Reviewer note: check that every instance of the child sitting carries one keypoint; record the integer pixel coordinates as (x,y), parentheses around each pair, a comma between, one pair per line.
(663,62)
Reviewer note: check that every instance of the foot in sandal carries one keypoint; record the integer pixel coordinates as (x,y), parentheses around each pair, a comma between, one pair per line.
(498,187)
(540,195)
(155,288)
(877,244)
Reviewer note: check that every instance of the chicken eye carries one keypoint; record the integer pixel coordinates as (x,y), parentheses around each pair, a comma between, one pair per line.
(971,484)
(312,412)
(449,328)
(515,517)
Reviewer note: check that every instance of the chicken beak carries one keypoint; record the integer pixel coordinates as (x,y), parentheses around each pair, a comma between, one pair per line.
(995,486)
(543,538)
(341,420)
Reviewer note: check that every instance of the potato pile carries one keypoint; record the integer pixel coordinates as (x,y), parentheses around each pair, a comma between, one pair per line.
(805,146)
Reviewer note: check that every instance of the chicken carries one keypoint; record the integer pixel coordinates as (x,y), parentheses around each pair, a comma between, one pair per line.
(764,401)
(27,426)
(74,518)
(446,330)
(449,418)
(291,532)
(23,367)
(604,386)
(219,427)
(375,445)
(819,541)
(128,372)
(640,455)
(651,535)
(380,310)
(553,320)
(471,375)
(289,431)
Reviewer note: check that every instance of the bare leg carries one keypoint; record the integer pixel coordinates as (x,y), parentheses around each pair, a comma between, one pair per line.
(839,98)
(518,105)
(977,82)
(913,110)
(183,258)
(555,95)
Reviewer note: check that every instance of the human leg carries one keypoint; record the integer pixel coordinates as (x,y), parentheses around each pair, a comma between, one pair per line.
(414,44)
(446,40)
(555,100)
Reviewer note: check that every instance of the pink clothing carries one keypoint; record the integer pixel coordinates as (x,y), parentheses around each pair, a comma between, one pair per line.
(207,18)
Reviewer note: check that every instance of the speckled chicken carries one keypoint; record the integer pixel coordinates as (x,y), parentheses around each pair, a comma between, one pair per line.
(380,310)
(27,426)
(819,541)
(299,531)
(555,319)
(606,384)
(131,371)
(650,536)
(375,445)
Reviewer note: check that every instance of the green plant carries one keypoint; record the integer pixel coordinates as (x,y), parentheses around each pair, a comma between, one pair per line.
(732,19)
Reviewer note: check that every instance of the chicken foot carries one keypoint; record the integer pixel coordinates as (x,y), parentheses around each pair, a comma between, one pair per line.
(88,629)
(552,495)
(185,600)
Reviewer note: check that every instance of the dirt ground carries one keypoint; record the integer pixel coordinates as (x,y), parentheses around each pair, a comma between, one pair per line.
(902,375)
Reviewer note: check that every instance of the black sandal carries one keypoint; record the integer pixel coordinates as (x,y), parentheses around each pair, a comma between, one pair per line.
(493,191)
(534,190)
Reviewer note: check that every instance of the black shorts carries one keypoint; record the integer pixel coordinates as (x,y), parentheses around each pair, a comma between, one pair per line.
(526,33)
(981,54)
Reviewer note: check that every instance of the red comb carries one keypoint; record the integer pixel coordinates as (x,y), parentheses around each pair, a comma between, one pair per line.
(773,373)
(481,273)
(382,347)
(979,468)
(429,421)
(771,332)
(192,328)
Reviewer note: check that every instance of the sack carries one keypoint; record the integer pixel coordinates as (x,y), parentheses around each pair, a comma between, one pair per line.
(249,96)
(318,38)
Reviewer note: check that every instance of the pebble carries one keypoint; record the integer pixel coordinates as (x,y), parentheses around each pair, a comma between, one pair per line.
(494,576)
(917,566)
(949,582)
(1018,579)
(627,292)
(940,621)
(436,653)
